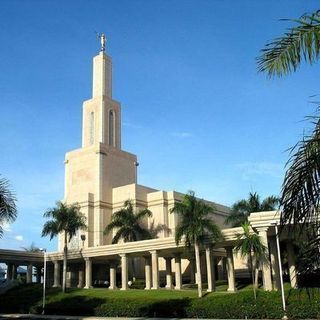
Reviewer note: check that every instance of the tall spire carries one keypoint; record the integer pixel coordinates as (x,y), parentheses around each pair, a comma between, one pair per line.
(102,71)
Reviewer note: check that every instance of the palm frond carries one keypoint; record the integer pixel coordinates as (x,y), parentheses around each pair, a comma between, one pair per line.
(145,213)
(8,209)
(67,218)
(284,54)
(154,230)
(128,224)
(50,228)
(300,197)
(196,220)
(249,242)
(270,203)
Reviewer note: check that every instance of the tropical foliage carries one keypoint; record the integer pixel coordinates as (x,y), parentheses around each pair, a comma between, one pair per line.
(300,191)
(129,224)
(8,209)
(241,210)
(284,54)
(249,244)
(156,229)
(31,248)
(195,223)
(65,219)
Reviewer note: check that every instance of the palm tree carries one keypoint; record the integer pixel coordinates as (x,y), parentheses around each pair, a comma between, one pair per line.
(300,196)
(31,248)
(240,211)
(128,226)
(249,244)
(66,219)
(154,229)
(8,209)
(195,223)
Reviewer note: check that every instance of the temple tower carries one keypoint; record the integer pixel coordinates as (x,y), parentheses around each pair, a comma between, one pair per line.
(100,165)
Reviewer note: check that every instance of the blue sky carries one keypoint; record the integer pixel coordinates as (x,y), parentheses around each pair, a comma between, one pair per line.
(194,108)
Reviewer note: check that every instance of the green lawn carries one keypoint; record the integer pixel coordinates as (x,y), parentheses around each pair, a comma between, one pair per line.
(162,303)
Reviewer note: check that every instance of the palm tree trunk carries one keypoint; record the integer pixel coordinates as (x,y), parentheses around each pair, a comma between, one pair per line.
(198,266)
(133,270)
(64,272)
(257,275)
(253,278)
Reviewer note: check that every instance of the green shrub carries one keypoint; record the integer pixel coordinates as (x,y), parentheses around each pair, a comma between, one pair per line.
(138,284)
(239,305)
(143,308)
(301,304)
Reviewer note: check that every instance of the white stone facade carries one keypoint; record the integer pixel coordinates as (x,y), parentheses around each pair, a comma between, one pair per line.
(100,176)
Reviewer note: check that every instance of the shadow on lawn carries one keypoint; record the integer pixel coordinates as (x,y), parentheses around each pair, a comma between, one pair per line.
(172,308)
(77,305)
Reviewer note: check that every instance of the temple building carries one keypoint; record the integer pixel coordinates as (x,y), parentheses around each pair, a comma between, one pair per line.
(100,177)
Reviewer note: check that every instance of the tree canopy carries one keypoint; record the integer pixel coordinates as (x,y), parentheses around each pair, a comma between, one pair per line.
(128,224)
(241,210)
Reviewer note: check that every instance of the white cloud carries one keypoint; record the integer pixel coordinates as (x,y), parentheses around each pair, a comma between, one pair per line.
(131,125)
(249,169)
(182,134)
(19,237)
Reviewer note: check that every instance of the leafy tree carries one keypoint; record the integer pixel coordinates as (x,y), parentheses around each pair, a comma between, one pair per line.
(65,219)
(194,224)
(31,248)
(300,196)
(8,209)
(249,244)
(241,210)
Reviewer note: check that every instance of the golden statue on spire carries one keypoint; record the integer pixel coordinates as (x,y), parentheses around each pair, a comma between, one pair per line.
(102,38)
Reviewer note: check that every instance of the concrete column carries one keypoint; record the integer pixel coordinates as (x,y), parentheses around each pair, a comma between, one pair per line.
(38,276)
(88,273)
(155,270)
(56,274)
(14,271)
(274,263)
(230,270)
(291,265)
(9,271)
(220,269)
(224,268)
(80,276)
(29,273)
(168,273)
(113,276)
(147,269)
(210,270)
(266,266)
(178,275)
(124,271)
(192,270)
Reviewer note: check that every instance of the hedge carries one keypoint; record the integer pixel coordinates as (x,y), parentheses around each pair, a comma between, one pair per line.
(301,304)
(240,305)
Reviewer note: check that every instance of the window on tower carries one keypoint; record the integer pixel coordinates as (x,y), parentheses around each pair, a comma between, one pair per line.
(111,128)
(91,141)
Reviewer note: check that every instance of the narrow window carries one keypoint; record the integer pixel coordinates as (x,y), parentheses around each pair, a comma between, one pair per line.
(111,129)
(91,141)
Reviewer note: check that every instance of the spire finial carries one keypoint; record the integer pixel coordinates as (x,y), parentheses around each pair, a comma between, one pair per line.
(102,38)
